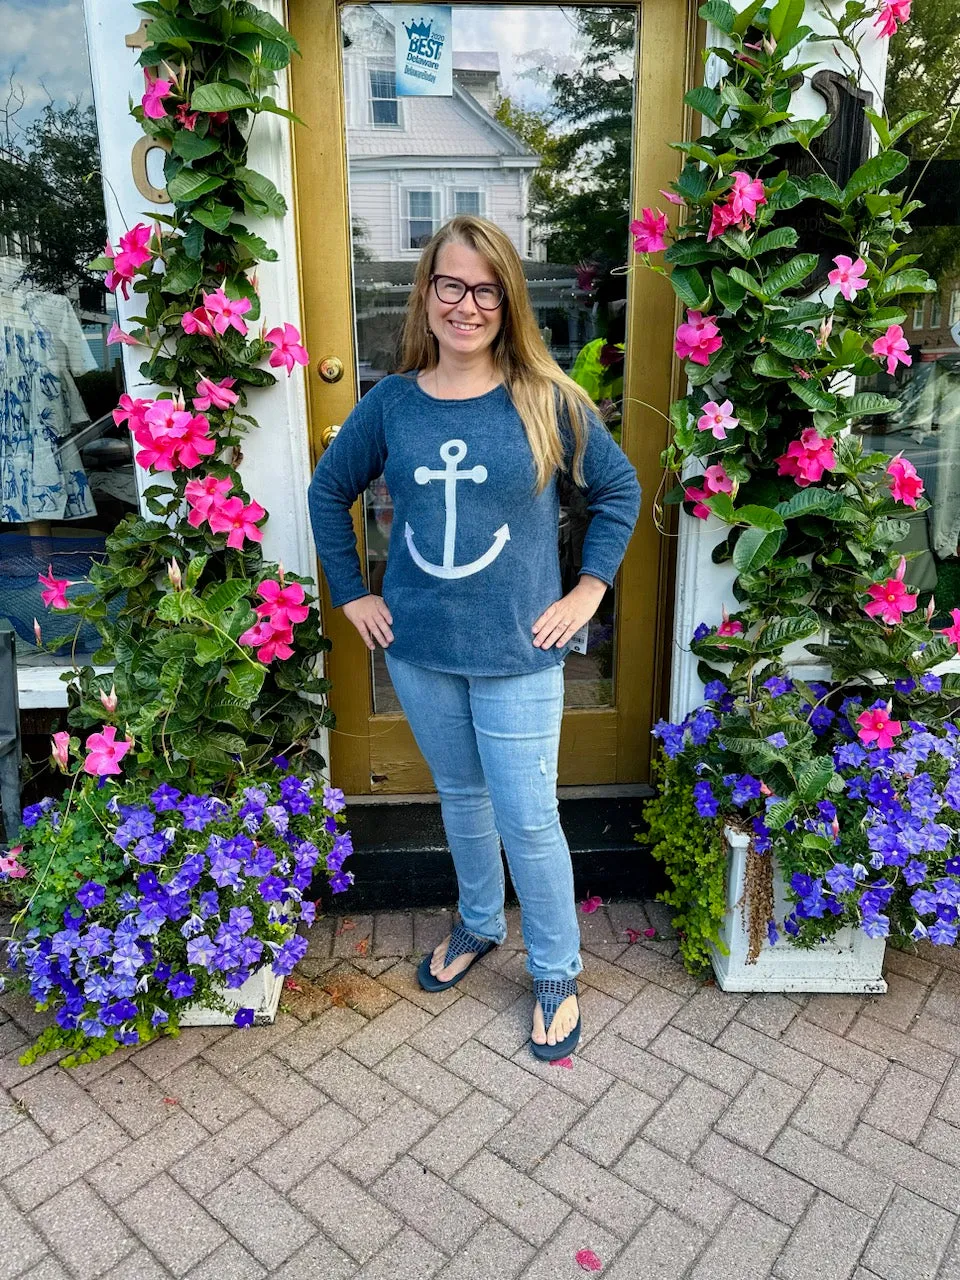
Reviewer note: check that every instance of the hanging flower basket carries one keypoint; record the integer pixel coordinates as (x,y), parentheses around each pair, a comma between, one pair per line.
(848,961)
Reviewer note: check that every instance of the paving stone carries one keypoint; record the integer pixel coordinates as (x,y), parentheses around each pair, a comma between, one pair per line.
(611,1123)
(171,1224)
(441,1214)
(350,1217)
(757,1115)
(12,1073)
(56,1103)
(57,1167)
(911,1238)
(611,979)
(901,1004)
(685,1119)
(897,1047)
(279,1089)
(846,1179)
(423,1080)
(430,928)
(22,1246)
(458,1137)
(745,1247)
(931,1030)
(140,1265)
(21,1144)
(585,1081)
(831,1109)
(402,980)
(827,1242)
(770,1056)
(289,1160)
(674,1184)
(49,1269)
(944,999)
(753,1178)
(347,932)
(83,1232)
(509,1030)
(941,1140)
(163,1056)
(767,1012)
(915,1170)
(373,1042)
(452,1028)
(218,1158)
(409,1257)
(319,936)
(707,1013)
(518,1201)
(376,1147)
(247,1043)
(597,1011)
(902,1103)
(363,1092)
(486,1070)
(393,933)
(631,915)
(304,1047)
(948,1103)
(495,990)
(319,1259)
(262,1219)
(899,960)
(701,1060)
(348,987)
(206,1094)
(662,1249)
(127,1170)
(666,971)
(832,1051)
(537,1127)
(232,1260)
(131,1098)
(833,1013)
(557,1259)
(494,1250)
(647,1014)
(637,1067)
(595,1191)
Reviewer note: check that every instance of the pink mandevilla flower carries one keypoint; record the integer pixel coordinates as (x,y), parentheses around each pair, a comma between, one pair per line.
(60,749)
(890,600)
(197,321)
(589,905)
(746,195)
(184,116)
(806,459)
(877,727)
(729,626)
(117,335)
(287,348)
(104,753)
(283,603)
(893,12)
(698,338)
(54,594)
(9,866)
(152,100)
(217,394)
(953,633)
(227,313)
(648,232)
(697,497)
(133,410)
(173,438)
(905,484)
(203,495)
(717,418)
(270,640)
(109,700)
(848,275)
(237,521)
(893,348)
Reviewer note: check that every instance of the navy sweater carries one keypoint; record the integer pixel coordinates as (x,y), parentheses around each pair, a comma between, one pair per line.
(473,558)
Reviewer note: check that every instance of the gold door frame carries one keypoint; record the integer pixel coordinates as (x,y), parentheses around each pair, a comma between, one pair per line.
(376,753)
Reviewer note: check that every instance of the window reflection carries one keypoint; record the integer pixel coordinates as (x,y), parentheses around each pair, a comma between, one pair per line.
(66,470)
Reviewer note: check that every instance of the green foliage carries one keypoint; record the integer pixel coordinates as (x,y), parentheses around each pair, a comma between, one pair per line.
(694,856)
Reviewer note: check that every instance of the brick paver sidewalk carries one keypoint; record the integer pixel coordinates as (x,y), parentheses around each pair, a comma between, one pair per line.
(379,1133)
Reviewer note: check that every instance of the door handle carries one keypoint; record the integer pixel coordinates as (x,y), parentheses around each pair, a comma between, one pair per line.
(327,435)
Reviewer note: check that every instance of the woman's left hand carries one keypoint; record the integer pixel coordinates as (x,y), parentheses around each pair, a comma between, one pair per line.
(561,621)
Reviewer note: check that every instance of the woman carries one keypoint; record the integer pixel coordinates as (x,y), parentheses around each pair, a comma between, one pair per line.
(470,435)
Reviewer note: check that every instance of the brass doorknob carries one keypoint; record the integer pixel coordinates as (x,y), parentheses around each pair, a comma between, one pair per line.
(327,434)
(330,368)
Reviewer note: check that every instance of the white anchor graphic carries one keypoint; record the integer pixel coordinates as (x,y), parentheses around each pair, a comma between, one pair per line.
(452,452)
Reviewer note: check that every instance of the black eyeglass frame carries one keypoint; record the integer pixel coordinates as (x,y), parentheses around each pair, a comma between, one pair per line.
(468,288)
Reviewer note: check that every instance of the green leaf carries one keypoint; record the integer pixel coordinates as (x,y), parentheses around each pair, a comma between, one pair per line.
(785,18)
(270,54)
(796,344)
(812,394)
(779,238)
(189,185)
(811,502)
(688,284)
(746,16)
(214,216)
(876,172)
(755,548)
(268,104)
(880,128)
(224,595)
(769,365)
(744,278)
(727,291)
(690,251)
(261,194)
(190,146)
(210,649)
(907,122)
(720,14)
(780,813)
(220,96)
(813,779)
(822,187)
(759,517)
(181,32)
(255,245)
(247,17)
(868,402)
(183,277)
(912,281)
(245,680)
(784,631)
(790,275)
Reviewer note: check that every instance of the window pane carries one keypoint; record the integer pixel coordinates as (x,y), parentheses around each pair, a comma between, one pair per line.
(467,202)
(385,111)
(421,204)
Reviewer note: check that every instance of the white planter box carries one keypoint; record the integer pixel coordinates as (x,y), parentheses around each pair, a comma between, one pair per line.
(260,992)
(850,961)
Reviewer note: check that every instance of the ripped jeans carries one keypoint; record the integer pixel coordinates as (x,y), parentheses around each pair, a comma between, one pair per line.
(491,743)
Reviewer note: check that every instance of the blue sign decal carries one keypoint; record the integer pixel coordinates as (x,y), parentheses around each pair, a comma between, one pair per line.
(424,50)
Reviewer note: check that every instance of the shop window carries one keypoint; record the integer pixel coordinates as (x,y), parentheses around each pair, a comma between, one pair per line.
(66,470)
(935,312)
(954,307)
(383,97)
(918,315)
(422,217)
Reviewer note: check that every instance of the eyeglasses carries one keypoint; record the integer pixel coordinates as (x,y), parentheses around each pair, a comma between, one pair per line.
(450,290)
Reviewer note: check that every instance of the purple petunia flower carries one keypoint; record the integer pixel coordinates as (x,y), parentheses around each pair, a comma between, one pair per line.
(243,1018)
(341,881)
(197,812)
(777,686)
(841,879)
(333,799)
(746,788)
(778,740)
(906,685)
(930,682)
(701,632)
(165,797)
(91,894)
(713,690)
(289,955)
(705,801)
(271,889)
(181,985)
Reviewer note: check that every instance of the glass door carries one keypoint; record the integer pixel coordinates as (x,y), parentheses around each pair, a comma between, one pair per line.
(543,118)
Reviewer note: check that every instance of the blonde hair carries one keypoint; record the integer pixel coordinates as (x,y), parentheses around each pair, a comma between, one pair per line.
(537,385)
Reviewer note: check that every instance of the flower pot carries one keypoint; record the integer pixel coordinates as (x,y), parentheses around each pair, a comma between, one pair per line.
(260,992)
(849,961)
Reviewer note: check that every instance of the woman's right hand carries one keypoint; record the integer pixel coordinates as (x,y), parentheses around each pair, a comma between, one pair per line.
(372,618)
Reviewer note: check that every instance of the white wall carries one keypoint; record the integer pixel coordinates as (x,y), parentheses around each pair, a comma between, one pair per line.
(702,586)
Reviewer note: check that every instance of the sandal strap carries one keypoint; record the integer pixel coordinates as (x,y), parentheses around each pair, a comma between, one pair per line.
(463,941)
(551,993)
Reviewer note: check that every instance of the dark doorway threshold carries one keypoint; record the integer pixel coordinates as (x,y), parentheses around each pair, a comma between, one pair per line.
(401,860)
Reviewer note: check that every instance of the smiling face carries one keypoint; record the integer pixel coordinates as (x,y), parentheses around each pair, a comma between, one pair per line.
(462,328)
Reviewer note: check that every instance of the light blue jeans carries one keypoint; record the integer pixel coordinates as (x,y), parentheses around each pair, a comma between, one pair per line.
(491,743)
